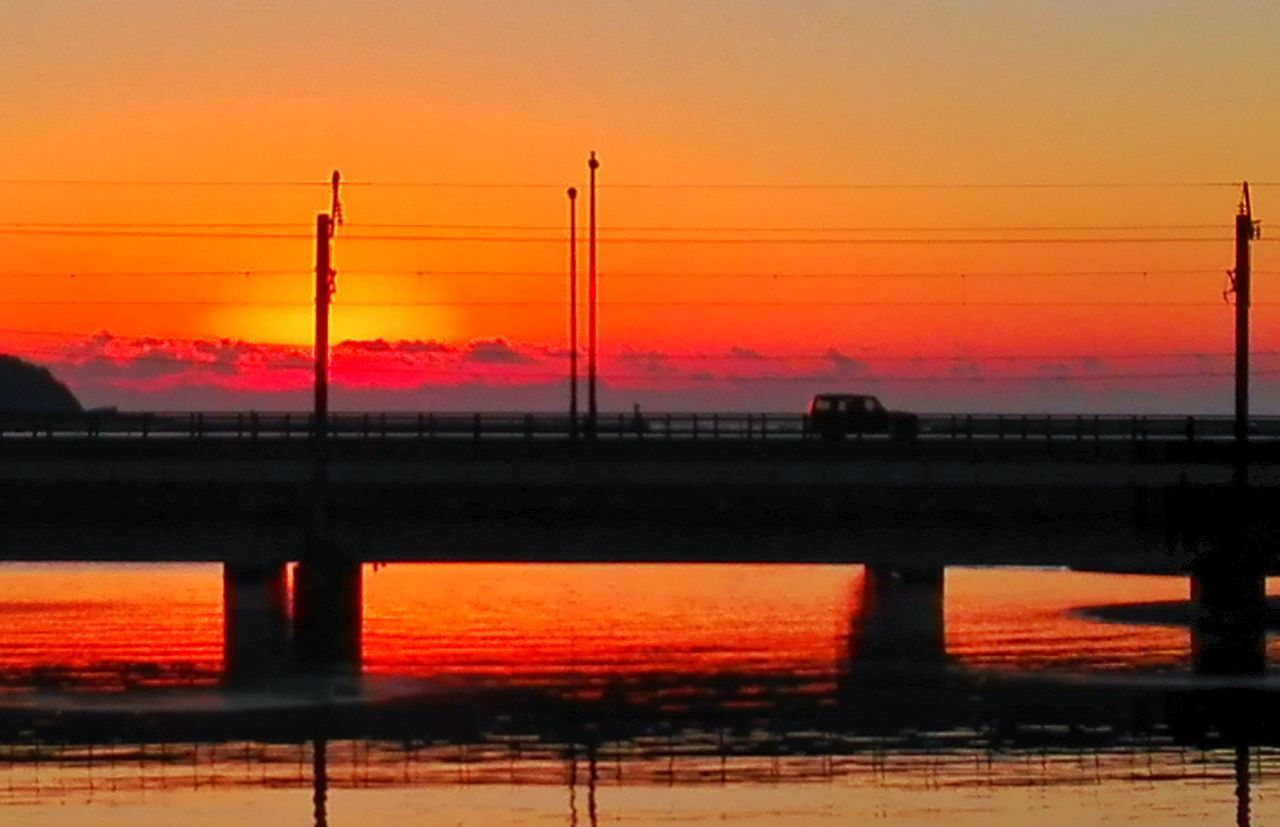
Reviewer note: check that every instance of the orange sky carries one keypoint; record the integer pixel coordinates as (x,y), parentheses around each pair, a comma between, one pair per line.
(668,93)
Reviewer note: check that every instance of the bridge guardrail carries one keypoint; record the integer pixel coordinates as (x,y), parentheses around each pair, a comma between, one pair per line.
(252,425)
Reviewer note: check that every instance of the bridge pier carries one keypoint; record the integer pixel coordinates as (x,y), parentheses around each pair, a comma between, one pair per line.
(901,618)
(327,614)
(255,626)
(1228,627)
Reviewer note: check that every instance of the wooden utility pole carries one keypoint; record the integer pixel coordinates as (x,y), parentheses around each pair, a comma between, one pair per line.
(1229,584)
(325,286)
(592,410)
(323,295)
(573,313)
(320,427)
(1241,282)
(327,584)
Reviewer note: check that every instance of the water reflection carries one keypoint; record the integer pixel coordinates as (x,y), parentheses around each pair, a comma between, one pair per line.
(1242,784)
(1186,767)
(320,781)
(116,628)
(635,694)
(593,776)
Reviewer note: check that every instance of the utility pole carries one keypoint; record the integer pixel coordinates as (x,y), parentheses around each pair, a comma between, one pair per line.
(324,287)
(592,410)
(1241,282)
(324,292)
(327,585)
(1229,584)
(573,312)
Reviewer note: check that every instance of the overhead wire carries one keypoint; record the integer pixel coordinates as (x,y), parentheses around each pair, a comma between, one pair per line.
(628,240)
(709,185)
(137,224)
(707,305)
(556,274)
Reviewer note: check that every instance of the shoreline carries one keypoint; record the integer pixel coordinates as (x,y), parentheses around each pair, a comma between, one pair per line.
(1176,613)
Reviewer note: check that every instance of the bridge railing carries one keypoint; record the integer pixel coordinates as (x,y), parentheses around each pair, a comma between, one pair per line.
(386,425)
(647,425)
(1088,426)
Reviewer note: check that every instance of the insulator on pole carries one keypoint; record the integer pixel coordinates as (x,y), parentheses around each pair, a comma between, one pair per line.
(335,207)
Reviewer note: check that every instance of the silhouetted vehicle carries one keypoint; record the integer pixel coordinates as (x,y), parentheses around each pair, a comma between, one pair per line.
(837,415)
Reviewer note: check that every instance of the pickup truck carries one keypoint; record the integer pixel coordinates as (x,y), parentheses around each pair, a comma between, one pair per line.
(837,415)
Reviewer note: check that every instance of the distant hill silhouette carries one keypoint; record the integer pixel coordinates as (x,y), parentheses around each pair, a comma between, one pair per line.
(29,388)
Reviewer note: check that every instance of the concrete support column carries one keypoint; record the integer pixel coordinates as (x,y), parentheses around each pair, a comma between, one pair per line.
(255,621)
(1228,627)
(901,618)
(327,615)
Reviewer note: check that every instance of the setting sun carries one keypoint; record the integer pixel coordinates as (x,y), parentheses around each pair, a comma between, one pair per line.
(739,412)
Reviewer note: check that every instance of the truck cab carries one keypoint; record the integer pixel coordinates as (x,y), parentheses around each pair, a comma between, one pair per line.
(837,415)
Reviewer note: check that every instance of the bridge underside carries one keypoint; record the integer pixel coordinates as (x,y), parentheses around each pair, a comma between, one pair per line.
(1123,529)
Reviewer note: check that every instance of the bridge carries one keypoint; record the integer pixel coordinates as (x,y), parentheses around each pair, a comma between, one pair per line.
(1113,493)
(1105,492)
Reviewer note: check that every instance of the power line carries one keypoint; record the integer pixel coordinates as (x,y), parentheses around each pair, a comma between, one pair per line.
(148,339)
(109,233)
(710,185)
(409,273)
(139,182)
(247,225)
(75,274)
(612,228)
(944,185)
(423,273)
(512,239)
(837,355)
(624,303)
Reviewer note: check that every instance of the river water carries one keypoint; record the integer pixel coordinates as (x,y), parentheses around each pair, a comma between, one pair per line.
(640,695)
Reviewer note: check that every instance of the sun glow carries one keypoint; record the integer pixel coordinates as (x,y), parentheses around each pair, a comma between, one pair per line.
(369,319)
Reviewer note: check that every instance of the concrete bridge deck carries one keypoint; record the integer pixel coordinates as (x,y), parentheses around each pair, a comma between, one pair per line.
(1126,493)
(1109,504)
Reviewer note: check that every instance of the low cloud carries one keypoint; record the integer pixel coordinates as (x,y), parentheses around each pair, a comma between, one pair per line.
(647,363)
(394,346)
(843,363)
(497,351)
(156,372)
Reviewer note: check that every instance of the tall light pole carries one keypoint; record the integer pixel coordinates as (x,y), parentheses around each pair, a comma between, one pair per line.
(573,312)
(592,410)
